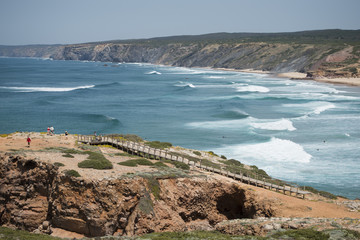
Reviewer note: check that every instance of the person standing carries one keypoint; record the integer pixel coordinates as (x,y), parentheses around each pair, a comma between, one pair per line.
(52,130)
(48,131)
(28,140)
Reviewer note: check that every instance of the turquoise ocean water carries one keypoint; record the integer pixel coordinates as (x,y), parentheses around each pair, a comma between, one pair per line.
(299,131)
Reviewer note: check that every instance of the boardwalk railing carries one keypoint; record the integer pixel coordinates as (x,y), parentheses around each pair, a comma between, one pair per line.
(137,149)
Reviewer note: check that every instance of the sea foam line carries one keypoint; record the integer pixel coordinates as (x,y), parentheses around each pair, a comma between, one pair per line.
(283,124)
(46,89)
(274,150)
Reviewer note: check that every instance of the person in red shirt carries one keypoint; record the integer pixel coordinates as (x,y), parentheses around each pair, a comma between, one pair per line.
(28,140)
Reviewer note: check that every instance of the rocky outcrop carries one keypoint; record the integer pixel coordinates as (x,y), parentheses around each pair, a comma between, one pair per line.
(34,195)
(263,226)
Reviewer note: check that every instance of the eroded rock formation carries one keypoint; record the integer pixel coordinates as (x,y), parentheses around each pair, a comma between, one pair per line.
(32,193)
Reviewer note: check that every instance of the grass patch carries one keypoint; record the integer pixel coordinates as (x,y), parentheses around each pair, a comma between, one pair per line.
(68,155)
(321,193)
(72,173)
(59,164)
(135,162)
(4,135)
(194,235)
(10,234)
(95,160)
(301,234)
(160,164)
(154,187)
(158,144)
(197,153)
(212,153)
(123,154)
(126,137)
(176,164)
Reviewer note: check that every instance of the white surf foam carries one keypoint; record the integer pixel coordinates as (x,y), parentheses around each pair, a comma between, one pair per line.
(252,88)
(280,125)
(323,108)
(46,89)
(275,150)
(185,84)
(154,72)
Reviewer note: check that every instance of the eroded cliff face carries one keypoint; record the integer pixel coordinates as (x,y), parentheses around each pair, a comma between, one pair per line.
(314,59)
(32,192)
(261,56)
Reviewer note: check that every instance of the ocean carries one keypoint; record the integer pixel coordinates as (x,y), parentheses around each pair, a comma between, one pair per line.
(304,132)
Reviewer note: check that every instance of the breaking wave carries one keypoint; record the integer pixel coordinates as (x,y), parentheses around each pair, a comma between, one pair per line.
(274,150)
(46,89)
(252,88)
(283,124)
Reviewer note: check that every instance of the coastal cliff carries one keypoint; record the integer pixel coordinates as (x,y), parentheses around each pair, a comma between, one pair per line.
(327,53)
(34,192)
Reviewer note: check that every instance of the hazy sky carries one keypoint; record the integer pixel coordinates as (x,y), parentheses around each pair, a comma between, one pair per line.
(76,21)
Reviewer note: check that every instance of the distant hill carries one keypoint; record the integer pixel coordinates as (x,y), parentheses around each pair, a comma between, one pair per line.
(330,53)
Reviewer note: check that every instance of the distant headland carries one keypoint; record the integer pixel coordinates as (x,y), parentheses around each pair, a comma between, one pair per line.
(322,55)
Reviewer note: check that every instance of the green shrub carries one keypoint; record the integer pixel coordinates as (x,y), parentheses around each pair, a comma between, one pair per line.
(128,163)
(72,173)
(176,164)
(154,187)
(126,137)
(193,235)
(233,162)
(10,234)
(301,234)
(135,162)
(59,164)
(223,157)
(321,193)
(68,155)
(212,153)
(95,160)
(160,164)
(124,154)
(197,153)
(158,144)
(180,165)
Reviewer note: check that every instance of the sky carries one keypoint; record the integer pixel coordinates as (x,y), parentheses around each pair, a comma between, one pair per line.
(78,21)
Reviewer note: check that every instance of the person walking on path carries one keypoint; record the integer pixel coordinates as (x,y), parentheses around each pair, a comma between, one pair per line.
(28,140)
(52,130)
(48,131)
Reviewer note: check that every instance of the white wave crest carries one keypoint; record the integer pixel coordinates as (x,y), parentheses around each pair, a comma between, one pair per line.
(252,88)
(46,89)
(185,84)
(154,73)
(321,109)
(275,150)
(283,124)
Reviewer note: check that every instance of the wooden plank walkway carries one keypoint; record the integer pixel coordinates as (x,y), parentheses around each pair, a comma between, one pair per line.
(137,148)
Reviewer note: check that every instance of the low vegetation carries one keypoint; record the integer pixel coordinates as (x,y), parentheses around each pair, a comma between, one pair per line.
(68,155)
(59,164)
(72,173)
(126,137)
(95,160)
(158,144)
(135,162)
(10,234)
(321,193)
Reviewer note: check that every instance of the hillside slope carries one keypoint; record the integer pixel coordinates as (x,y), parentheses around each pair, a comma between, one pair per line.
(329,53)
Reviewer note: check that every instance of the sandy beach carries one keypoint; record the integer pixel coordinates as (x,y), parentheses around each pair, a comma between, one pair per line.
(302,76)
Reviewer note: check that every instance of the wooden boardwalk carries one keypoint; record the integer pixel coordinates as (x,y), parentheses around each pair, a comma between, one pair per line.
(137,149)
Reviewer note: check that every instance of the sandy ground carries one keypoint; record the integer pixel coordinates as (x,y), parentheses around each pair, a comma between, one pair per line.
(302,76)
(313,206)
